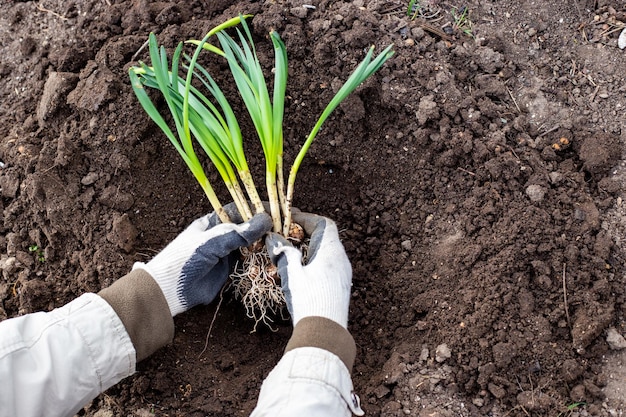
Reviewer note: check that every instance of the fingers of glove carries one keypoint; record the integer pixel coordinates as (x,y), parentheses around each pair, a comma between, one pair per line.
(206,270)
(275,245)
(199,284)
(225,238)
(233,213)
(260,224)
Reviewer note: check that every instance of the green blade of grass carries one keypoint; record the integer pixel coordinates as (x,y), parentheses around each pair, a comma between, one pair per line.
(226,130)
(212,133)
(162,78)
(250,82)
(363,71)
(278,111)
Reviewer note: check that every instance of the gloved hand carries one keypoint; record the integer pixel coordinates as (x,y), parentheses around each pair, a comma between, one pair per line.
(321,287)
(192,269)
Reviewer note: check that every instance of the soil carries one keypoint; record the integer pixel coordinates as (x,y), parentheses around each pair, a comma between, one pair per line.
(477,180)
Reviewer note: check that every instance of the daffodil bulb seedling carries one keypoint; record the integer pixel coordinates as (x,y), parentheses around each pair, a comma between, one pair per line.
(202,116)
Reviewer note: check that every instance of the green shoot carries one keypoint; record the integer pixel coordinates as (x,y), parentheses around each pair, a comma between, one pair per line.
(213,123)
(194,114)
(266,117)
(462,21)
(161,79)
(414,8)
(571,408)
(36,250)
(362,72)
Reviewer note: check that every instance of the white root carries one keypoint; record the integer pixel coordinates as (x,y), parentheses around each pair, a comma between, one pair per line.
(254,283)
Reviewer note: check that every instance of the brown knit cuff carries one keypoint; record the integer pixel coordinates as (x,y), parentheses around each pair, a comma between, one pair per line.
(325,334)
(139,302)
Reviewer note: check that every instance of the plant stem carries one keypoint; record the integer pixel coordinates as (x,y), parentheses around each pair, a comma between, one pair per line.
(240,200)
(272,195)
(215,203)
(280,178)
(253,194)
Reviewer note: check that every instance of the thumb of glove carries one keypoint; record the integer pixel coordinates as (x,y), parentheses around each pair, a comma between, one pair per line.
(285,257)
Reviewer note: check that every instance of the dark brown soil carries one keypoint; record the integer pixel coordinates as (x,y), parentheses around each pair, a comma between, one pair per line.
(477,181)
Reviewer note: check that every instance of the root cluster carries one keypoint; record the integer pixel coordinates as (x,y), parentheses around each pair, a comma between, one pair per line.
(256,283)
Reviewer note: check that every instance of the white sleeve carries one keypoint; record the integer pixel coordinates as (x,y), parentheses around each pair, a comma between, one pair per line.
(308,381)
(52,364)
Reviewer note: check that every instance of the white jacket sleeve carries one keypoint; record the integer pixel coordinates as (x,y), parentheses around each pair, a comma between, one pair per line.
(52,364)
(308,381)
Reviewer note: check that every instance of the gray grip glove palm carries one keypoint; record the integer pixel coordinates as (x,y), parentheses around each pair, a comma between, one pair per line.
(192,269)
(322,287)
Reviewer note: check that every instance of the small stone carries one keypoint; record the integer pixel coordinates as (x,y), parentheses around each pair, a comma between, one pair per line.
(421,325)
(535,192)
(434,381)
(9,183)
(578,393)
(394,369)
(417,382)
(299,12)
(427,109)
(381,391)
(56,88)
(406,245)
(442,353)
(579,214)
(8,266)
(615,340)
(571,370)
(555,177)
(432,412)
(123,233)
(25,258)
(532,32)
(496,390)
(478,402)
(106,413)
(89,178)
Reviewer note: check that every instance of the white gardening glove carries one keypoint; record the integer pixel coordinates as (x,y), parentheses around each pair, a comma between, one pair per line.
(192,269)
(322,287)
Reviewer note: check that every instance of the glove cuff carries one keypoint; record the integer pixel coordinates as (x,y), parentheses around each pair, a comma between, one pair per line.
(169,287)
(137,301)
(324,334)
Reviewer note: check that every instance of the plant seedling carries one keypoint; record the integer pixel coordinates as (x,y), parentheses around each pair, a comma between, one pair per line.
(211,121)
(462,21)
(571,407)
(34,249)
(414,8)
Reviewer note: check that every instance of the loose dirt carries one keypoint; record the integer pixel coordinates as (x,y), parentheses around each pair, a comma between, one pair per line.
(477,180)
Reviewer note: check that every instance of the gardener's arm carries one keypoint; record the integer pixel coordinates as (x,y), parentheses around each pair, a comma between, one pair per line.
(52,364)
(313,377)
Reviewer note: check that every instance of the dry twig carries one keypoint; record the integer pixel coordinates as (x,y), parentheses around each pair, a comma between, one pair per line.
(217,309)
(43,9)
